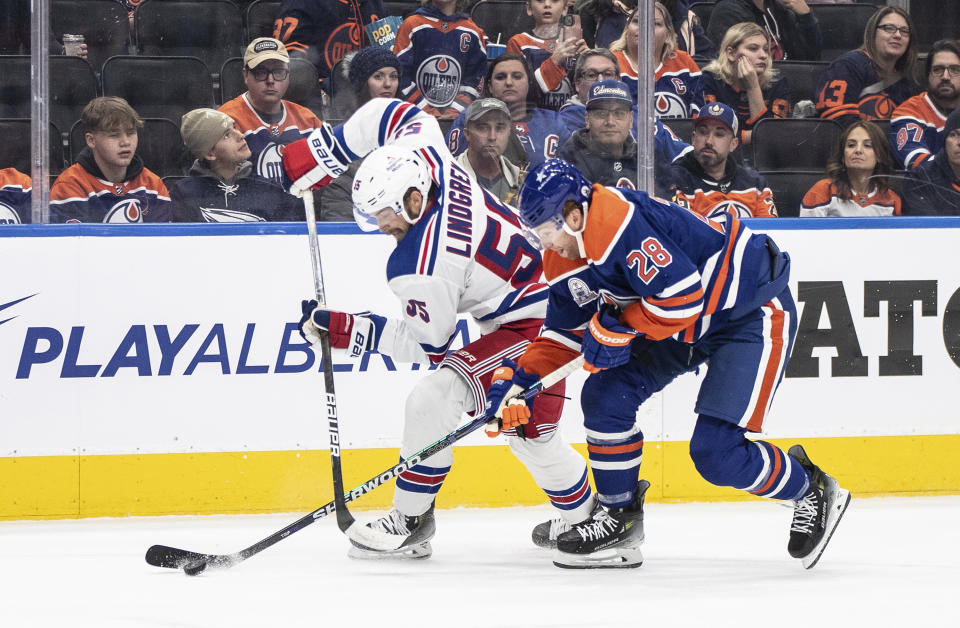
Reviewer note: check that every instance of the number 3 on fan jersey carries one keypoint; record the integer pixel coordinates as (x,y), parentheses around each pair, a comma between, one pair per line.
(649,259)
(418,308)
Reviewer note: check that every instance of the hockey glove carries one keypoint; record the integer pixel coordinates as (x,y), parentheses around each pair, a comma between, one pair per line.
(607,342)
(356,333)
(314,161)
(511,411)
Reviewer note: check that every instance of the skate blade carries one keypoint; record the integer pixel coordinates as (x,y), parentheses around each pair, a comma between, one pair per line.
(612,558)
(839,500)
(413,552)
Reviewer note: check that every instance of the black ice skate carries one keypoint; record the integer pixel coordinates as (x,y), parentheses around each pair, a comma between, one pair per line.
(545,534)
(610,539)
(418,530)
(816,514)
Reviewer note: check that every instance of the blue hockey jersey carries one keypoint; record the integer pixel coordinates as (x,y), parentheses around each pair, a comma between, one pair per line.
(851,89)
(776,98)
(541,133)
(15,197)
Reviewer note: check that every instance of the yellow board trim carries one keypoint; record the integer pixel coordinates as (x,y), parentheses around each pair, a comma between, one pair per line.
(288,481)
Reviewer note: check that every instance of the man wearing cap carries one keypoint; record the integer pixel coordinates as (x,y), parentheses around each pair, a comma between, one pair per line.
(262,116)
(222,186)
(708,181)
(604,151)
(488,128)
(933,187)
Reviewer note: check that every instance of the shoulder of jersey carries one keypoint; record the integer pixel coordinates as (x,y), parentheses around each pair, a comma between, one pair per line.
(607,216)
(556,267)
(15,178)
(819,194)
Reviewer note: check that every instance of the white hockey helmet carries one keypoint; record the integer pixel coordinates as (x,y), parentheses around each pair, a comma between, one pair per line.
(382,181)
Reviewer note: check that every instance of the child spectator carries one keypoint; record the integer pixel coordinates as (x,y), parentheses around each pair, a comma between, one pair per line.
(678,83)
(443,55)
(857,182)
(870,82)
(15,197)
(742,76)
(266,120)
(222,186)
(550,50)
(108,183)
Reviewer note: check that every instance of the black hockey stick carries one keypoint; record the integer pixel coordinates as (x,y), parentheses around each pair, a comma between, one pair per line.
(194,562)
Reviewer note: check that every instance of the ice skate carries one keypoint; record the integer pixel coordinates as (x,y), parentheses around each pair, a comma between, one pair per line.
(610,539)
(816,514)
(418,530)
(545,534)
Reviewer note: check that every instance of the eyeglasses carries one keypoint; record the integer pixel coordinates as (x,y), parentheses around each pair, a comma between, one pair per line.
(260,74)
(602,114)
(593,75)
(939,70)
(890,29)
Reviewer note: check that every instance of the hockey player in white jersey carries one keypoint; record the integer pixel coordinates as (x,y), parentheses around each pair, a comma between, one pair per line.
(459,251)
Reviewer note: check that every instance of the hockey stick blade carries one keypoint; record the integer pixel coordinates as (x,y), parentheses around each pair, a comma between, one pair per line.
(172,557)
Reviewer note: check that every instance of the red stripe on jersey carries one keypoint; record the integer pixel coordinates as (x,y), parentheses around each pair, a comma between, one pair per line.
(569,499)
(777,463)
(615,449)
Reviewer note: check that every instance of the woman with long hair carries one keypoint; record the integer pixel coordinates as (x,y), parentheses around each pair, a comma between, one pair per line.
(870,82)
(857,182)
(742,76)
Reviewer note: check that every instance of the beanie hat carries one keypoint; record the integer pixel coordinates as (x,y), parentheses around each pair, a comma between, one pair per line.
(367,61)
(201,129)
(953,122)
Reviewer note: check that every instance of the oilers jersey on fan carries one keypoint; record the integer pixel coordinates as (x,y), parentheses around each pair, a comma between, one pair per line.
(541,133)
(82,194)
(851,89)
(467,253)
(15,199)
(553,79)
(916,131)
(265,138)
(776,100)
(442,59)
(741,189)
(678,84)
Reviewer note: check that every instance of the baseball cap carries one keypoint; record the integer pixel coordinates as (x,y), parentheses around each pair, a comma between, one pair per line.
(609,90)
(484,106)
(201,129)
(263,48)
(718,111)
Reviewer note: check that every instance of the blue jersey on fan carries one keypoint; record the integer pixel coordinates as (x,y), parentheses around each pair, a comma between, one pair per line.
(852,89)
(541,133)
(15,197)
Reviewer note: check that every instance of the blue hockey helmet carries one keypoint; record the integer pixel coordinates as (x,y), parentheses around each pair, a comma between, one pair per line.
(546,188)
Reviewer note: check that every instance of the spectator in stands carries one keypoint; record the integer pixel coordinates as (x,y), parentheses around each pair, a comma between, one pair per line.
(678,83)
(374,72)
(15,197)
(933,187)
(602,20)
(868,83)
(15,31)
(443,55)
(550,49)
(266,120)
(540,131)
(323,31)
(488,128)
(691,36)
(916,127)
(857,182)
(593,65)
(708,182)
(790,25)
(742,76)
(222,186)
(604,151)
(108,183)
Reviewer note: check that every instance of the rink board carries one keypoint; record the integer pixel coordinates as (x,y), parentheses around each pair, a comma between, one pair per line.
(156,369)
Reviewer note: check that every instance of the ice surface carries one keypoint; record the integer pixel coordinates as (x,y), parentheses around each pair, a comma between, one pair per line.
(892,562)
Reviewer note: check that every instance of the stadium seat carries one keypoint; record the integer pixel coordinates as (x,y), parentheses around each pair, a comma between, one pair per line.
(789,189)
(72,86)
(103,23)
(842,26)
(402,8)
(302,88)
(681,127)
(159,87)
(231,79)
(802,77)
(793,144)
(15,147)
(501,18)
(211,30)
(343,102)
(934,21)
(159,146)
(703,10)
(260,17)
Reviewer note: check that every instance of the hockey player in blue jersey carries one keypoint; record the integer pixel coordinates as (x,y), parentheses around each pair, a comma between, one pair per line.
(646,291)
(459,251)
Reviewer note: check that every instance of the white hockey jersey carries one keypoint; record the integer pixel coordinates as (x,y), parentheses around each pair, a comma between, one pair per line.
(466,254)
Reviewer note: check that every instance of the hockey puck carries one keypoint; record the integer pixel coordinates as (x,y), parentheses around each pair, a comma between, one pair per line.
(195,568)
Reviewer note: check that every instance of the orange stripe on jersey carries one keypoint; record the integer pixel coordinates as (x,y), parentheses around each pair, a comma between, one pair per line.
(606,218)
(614,449)
(555,265)
(714,297)
(771,372)
(544,355)
(777,463)
(655,327)
(675,301)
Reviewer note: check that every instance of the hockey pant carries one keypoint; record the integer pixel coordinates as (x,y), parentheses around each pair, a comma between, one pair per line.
(746,360)
(434,408)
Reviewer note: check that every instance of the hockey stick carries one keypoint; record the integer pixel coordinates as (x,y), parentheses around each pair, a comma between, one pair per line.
(194,562)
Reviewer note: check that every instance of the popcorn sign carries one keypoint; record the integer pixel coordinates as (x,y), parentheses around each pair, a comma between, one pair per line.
(382,32)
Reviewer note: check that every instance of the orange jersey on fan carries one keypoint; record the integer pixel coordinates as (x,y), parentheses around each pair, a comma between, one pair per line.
(822,200)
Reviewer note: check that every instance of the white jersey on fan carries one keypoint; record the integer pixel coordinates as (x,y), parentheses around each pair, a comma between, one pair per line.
(465,255)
